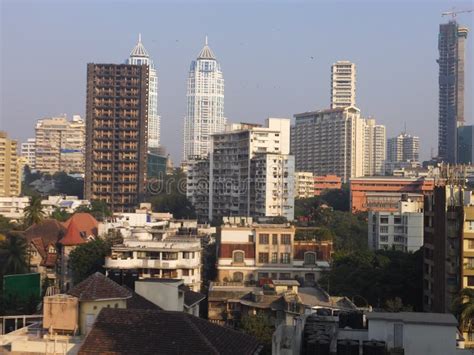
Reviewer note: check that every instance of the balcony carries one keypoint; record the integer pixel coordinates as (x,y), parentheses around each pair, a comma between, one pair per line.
(151,264)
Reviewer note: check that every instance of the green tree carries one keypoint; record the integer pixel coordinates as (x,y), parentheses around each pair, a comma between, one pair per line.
(88,258)
(260,327)
(60,214)
(13,253)
(33,213)
(98,209)
(464,308)
(5,225)
(67,185)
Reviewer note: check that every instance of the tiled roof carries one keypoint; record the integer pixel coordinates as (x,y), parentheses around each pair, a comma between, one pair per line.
(73,235)
(50,260)
(38,244)
(99,287)
(129,331)
(85,222)
(139,302)
(191,297)
(49,230)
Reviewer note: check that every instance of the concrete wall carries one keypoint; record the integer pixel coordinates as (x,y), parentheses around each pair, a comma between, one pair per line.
(166,295)
(92,308)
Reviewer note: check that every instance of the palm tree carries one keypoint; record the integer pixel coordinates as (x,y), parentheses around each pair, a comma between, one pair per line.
(13,254)
(34,212)
(464,308)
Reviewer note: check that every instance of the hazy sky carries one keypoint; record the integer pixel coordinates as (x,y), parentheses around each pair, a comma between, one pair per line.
(275,56)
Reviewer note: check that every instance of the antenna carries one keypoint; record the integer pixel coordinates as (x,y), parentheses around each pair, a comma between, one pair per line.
(206,40)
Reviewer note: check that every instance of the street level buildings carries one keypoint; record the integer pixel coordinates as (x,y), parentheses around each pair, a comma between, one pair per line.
(10,167)
(343,84)
(451,46)
(139,56)
(205,104)
(401,230)
(60,145)
(116,144)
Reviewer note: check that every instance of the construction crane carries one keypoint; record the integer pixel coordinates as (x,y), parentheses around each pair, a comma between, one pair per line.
(453,13)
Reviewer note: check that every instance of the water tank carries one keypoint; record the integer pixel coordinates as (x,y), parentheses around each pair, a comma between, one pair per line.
(61,312)
(347,347)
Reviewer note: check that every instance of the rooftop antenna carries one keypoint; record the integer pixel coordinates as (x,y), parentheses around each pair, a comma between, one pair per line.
(139,37)
(206,40)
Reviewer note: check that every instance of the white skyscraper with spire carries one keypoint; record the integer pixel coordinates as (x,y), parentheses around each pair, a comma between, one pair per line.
(205,104)
(139,56)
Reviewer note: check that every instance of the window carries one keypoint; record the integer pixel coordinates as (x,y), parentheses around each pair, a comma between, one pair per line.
(384,229)
(286,239)
(470,225)
(187,255)
(263,275)
(250,238)
(185,272)
(274,239)
(470,263)
(309,277)
(238,256)
(274,258)
(263,258)
(285,258)
(310,258)
(383,220)
(397,220)
(263,238)
(285,276)
(470,280)
(238,277)
(470,243)
(399,239)
(384,238)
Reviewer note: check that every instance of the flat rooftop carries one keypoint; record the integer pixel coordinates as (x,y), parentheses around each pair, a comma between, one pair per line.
(415,317)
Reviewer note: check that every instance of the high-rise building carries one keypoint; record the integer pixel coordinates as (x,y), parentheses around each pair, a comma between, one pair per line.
(60,145)
(466,144)
(451,44)
(343,84)
(403,148)
(10,167)
(140,56)
(304,184)
(205,104)
(329,142)
(28,152)
(116,139)
(250,173)
(375,148)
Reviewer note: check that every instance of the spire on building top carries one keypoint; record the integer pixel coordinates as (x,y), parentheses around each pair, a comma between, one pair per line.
(206,52)
(206,40)
(139,50)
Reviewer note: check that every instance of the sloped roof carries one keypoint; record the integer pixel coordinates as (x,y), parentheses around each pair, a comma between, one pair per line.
(99,287)
(191,297)
(139,302)
(131,331)
(206,52)
(85,222)
(50,260)
(49,230)
(139,50)
(73,235)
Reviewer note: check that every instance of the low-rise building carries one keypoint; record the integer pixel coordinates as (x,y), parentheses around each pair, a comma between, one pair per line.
(68,204)
(13,207)
(401,230)
(327,182)
(304,185)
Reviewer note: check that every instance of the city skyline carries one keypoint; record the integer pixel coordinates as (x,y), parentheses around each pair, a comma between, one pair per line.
(250,61)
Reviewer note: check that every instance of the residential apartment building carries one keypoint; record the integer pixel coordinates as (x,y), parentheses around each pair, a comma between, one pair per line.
(205,104)
(329,142)
(401,230)
(116,147)
(139,56)
(375,148)
(327,182)
(403,148)
(383,193)
(251,252)
(343,84)
(466,144)
(451,46)
(10,167)
(60,145)
(249,173)
(28,152)
(304,185)
(13,206)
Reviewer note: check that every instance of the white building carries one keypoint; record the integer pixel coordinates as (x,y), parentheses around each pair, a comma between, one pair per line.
(28,151)
(401,230)
(375,148)
(304,184)
(140,56)
(13,207)
(205,104)
(66,203)
(402,151)
(343,84)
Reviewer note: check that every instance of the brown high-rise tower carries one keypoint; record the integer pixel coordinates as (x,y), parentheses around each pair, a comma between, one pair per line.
(116,134)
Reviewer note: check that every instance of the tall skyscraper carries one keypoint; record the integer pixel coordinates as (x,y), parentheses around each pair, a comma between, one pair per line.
(343,84)
(466,144)
(375,148)
(116,134)
(451,42)
(60,145)
(205,104)
(10,167)
(403,148)
(140,56)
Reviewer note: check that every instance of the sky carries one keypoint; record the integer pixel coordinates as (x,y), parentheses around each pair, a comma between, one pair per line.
(275,56)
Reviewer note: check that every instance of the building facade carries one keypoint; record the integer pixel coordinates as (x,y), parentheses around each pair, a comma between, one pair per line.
(401,230)
(304,185)
(140,56)
(60,145)
(451,46)
(466,144)
(10,167)
(327,182)
(343,84)
(116,143)
(205,104)
(329,142)
(28,152)
(403,148)
(375,148)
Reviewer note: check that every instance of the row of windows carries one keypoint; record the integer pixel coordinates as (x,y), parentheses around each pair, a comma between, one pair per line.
(265,238)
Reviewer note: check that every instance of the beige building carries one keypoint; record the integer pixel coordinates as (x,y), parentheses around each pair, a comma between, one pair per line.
(375,148)
(10,167)
(60,145)
(304,184)
(343,84)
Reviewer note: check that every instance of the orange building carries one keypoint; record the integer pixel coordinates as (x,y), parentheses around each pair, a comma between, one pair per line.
(326,182)
(383,193)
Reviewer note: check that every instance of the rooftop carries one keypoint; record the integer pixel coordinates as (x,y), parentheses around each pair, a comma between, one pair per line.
(99,287)
(206,52)
(415,317)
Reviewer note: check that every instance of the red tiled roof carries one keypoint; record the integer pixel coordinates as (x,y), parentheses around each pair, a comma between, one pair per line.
(225,250)
(85,222)
(132,331)
(99,287)
(50,260)
(39,246)
(73,235)
(49,230)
